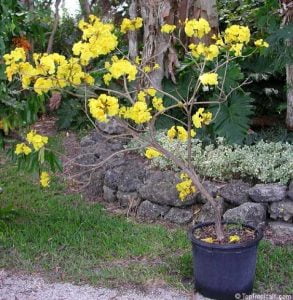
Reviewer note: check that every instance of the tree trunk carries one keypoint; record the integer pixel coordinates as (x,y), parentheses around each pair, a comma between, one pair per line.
(289,76)
(55,26)
(85,8)
(132,35)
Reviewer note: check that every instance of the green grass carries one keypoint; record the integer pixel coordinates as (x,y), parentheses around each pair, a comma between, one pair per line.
(68,239)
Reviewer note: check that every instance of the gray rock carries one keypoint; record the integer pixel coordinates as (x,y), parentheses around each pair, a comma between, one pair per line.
(235,192)
(151,210)
(207,213)
(87,141)
(268,192)
(160,188)
(109,194)
(111,127)
(128,177)
(282,230)
(211,187)
(290,191)
(128,199)
(95,188)
(281,210)
(179,215)
(247,213)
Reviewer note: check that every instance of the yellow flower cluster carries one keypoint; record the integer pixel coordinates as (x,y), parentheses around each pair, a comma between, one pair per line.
(45,179)
(167,28)
(158,103)
(209,78)
(50,71)
(97,39)
(118,68)
(201,117)
(152,153)
(103,106)
(38,141)
(261,43)
(236,36)
(185,187)
(208,52)
(234,238)
(194,28)
(22,148)
(138,112)
(131,25)
(180,133)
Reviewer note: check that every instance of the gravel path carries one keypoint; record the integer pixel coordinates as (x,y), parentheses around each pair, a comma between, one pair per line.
(27,287)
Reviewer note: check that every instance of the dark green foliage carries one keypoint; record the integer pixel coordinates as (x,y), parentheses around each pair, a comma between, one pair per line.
(233,117)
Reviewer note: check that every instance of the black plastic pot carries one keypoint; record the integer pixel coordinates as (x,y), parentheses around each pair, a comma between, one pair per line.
(223,271)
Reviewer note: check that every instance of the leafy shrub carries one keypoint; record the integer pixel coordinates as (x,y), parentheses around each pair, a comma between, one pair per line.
(263,162)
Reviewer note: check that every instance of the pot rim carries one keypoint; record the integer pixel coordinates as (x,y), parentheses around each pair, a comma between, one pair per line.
(250,243)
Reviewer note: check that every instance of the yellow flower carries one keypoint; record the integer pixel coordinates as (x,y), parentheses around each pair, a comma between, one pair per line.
(209,79)
(45,179)
(185,187)
(179,132)
(237,49)
(147,69)
(158,103)
(151,91)
(141,96)
(200,117)
(234,238)
(22,149)
(152,153)
(121,67)
(167,28)
(194,28)
(103,106)
(139,113)
(156,67)
(107,78)
(237,34)
(261,43)
(137,60)
(131,25)
(15,56)
(38,141)
(208,240)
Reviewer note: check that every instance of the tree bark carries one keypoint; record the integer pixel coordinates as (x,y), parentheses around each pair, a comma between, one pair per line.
(85,8)
(289,76)
(132,35)
(55,26)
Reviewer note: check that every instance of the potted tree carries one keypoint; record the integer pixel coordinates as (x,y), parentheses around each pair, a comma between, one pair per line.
(224,254)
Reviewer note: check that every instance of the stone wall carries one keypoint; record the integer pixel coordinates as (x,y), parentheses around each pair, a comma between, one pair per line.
(128,181)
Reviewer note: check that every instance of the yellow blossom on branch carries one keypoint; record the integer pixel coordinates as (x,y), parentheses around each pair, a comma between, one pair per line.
(139,112)
(201,117)
(179,132)
(158,103)
(152,153)
(197,28)
(45,179)
(167,28)
(22,149)
(237,34)
(261,43)
(209,79)
(38,141)
(103,106)
(131,25)
(185,187)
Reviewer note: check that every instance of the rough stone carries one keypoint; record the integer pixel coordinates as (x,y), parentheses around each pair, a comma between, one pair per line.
(160,188)
(211,187)
(207,213)
(87,141)
(127,178)
(236,192)
(290,191)
(109,194)
(282,230)
(281,210)
(111,127)
(247,213)
(179,215)
(95,188)
(268,192)
(128,199)
(152,210)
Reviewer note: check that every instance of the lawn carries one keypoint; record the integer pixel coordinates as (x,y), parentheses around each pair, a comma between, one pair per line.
(65,238)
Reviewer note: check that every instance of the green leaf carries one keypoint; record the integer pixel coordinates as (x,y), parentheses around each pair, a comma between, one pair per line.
(233,117)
